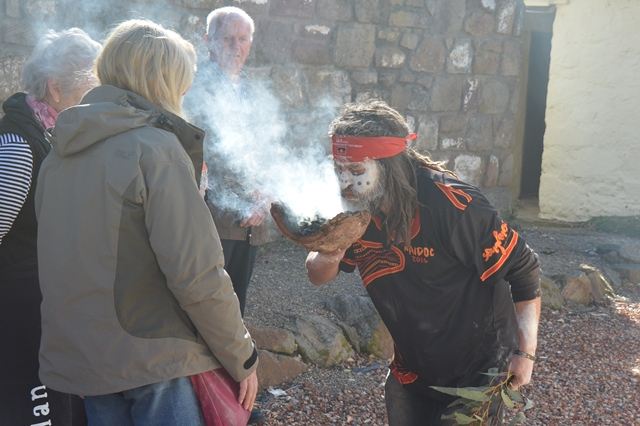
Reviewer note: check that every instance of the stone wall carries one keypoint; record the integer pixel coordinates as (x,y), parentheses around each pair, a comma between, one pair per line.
(452,66)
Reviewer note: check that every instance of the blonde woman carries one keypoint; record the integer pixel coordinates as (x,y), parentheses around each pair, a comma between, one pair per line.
(135,297)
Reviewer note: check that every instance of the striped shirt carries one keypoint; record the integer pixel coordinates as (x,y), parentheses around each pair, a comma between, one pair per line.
(16,167)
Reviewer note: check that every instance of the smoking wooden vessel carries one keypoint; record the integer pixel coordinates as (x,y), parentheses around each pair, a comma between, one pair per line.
(319,234)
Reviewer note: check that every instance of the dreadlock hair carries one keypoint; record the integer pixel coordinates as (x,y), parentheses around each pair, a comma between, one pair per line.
(376,118)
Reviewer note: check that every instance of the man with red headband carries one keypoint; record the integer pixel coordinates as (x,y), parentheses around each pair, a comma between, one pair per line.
(456,286)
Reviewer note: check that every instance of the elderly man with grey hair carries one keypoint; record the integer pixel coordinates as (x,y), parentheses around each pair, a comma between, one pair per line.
(229,38)
(55,77)
(222,100)
(222,91)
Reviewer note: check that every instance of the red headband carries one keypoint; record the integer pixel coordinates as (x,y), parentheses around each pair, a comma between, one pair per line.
(359,148)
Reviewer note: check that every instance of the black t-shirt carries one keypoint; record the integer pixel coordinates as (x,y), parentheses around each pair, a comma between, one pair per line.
(445,298)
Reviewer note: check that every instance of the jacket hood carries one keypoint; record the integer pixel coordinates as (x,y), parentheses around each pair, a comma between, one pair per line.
(17,104)
(107,111)
(17,111)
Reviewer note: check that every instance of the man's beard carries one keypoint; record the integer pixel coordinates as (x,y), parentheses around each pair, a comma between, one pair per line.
(371,199)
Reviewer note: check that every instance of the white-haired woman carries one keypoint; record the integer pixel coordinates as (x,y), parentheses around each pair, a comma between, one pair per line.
(135,297)
(56,75)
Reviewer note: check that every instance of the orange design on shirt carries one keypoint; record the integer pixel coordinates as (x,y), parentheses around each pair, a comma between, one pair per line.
(453,193)
(498,248)
(375,261)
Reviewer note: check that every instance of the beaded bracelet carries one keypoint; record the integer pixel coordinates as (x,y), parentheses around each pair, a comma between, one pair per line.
(525,355)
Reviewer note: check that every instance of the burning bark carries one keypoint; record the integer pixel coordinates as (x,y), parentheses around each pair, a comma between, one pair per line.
(310,225)
(321,234)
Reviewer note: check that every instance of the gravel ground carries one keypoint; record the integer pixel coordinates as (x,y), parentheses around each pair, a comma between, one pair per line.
(589,367)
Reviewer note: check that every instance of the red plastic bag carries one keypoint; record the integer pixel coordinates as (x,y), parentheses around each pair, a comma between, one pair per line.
(217,393)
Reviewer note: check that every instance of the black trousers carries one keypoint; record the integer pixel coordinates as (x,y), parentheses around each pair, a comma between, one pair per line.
(23,398)
(406,408)
(239,258)
(34,404)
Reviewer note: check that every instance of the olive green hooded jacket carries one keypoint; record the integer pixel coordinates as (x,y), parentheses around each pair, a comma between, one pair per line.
(130,263)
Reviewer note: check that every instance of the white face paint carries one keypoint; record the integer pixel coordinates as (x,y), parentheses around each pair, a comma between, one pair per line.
(360,181)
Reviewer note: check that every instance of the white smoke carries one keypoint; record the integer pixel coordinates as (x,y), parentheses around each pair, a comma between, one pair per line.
(251,140)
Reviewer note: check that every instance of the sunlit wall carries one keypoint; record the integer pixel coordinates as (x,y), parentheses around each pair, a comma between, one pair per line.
(591,159)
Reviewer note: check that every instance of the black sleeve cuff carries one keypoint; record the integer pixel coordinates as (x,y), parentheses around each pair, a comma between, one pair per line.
(526,288)
(252,359)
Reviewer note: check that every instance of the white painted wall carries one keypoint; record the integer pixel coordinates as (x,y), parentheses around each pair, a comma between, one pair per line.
(591,159)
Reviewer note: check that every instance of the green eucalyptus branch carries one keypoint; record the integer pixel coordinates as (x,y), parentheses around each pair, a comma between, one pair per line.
(474,403)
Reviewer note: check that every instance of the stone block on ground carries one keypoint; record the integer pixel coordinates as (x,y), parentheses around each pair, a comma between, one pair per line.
(630,252)
(273,339)
(588,287)
(362,324)
(603,249)
(613,276)
(320,341)
(630,272)
(577,289)
(551,294)
(274,369)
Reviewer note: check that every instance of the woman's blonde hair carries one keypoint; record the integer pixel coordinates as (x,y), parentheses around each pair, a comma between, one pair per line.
(150,60)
